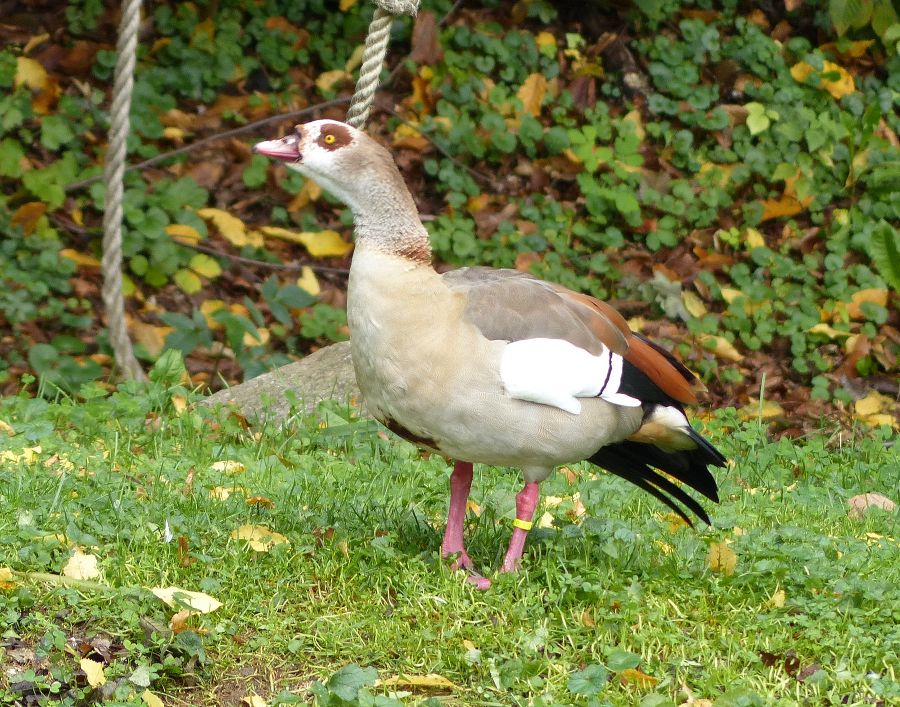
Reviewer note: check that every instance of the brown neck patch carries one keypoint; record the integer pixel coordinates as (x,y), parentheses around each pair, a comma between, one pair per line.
(333,137)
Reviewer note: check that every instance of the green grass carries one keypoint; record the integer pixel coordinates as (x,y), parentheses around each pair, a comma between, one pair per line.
(360,581)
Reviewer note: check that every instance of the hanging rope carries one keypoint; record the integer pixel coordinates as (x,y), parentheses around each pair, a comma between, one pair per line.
(373,56)
(113,176)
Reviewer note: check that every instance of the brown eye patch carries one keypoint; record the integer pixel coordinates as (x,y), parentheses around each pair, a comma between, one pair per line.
(332,137)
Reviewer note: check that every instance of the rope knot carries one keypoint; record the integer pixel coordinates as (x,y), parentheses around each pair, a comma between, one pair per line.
(399,7)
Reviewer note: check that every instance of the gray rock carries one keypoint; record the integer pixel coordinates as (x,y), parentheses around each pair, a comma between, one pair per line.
(326,374)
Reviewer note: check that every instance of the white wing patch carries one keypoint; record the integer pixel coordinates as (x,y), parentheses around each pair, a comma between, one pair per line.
(555,372)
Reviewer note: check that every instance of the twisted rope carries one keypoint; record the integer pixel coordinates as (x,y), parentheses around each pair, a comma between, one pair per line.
(113,175)
(373,57)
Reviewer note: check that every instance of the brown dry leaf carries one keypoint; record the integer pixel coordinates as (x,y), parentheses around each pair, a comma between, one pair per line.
(587,619)
(81,566)
(151,700)
(178,622)
(721,558)
(408,138)
(776,601)
(430,681)
(308,281)
(259,537)
(301,36)
(633,676)
(722,347)
(31,73)
(838,88)
(28,215)
(320,244)
(94,672)
(261,501)
(176,597)
(232,228)
(532,92)
(785,206)
(6,579)
(346,5)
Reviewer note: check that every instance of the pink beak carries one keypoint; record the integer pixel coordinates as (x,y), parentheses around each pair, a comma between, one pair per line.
(285,149)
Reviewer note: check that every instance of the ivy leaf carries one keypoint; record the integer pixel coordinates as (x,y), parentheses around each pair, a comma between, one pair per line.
(619,660)
(885,251)
(347,681)
(589,681)
(849,13)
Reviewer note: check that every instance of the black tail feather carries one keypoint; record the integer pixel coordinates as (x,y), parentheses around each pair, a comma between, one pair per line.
(632,461)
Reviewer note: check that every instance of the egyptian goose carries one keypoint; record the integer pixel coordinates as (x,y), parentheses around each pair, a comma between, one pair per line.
(496,366)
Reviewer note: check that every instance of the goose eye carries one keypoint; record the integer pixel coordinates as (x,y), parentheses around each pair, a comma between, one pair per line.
(329,139)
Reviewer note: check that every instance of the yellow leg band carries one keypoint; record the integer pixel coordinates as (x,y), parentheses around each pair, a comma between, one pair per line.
(523,524)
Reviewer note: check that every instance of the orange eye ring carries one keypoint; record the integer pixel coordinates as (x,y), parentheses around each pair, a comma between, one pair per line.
(329,139)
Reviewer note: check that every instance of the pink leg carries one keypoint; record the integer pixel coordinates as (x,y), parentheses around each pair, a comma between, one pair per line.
(526,502)
(460,483)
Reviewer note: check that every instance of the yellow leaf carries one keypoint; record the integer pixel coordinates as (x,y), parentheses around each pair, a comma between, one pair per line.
(7,428)
(82,259)
(664,547)
(838,88)
(308,281)
(260,338)
(183,234)
(206,266)
(260,501)
(320,244)
(770,410)
(329,79)
(545,521)
(182,598)
(587,619)
(721,347)
(825,329)
(633,676)
(721,558)
(637,323)
(6,578)
(784,206)
(776,601)
(221,493)
(531,93)
(259,537)
(468,645)
(208,308)
(872,404)
(174,134)
(693,304)
(28,455)
(228,466)
(346,5)
(309,192)
(81,566)
(150,699)
(35,41)
(152,337)
(634,117)
(674,522)
(188,282)
(355,59)
(432,680)
(31,73)
(730,294)
(754,239)
(545,39)
(408,138)
(179,403)
(256,700)
(473,507)
(94,672)
(232,228)
(872,295)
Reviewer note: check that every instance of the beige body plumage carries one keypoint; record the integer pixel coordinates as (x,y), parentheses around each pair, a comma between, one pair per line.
(495,366)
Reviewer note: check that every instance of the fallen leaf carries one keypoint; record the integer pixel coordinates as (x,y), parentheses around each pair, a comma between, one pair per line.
(769,410)
(872,404)
(232,228)
(327,80)
(259,537)
(94,672)
(256,700)
(7,428)
(31,73)
(150,699)
(432,680)
(838,88)
(546,520)
(260,338)
(721,347)
(826,330)
(674,522)
(693,304)
(82,259)
(308,281)
(180,598)
(872,295)
(6,579)
(81,566)
(587,619)
(152,337)
(532,92)
(187,235)
(261,501)
(206,266)
(28,215)
(406,137)
(188,281)
(28,455)
(320,244)
(860,504)
(633,676)
(721,558)
(776,601)
(178,622)
(754,239)
(228,466)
